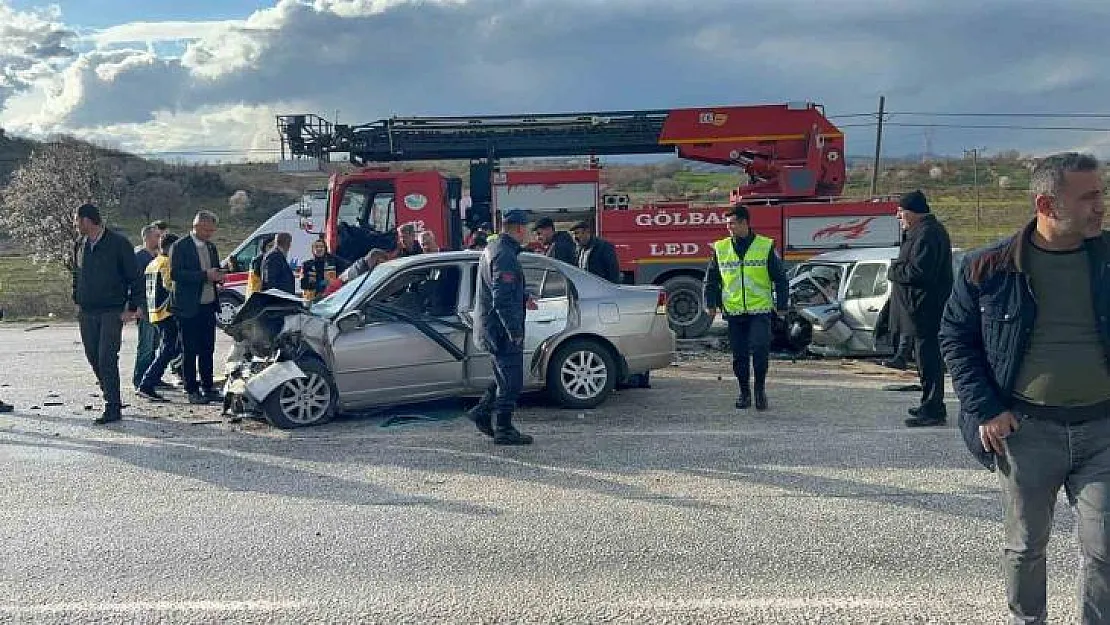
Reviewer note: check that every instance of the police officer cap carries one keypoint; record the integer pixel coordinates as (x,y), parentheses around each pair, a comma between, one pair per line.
(516,217)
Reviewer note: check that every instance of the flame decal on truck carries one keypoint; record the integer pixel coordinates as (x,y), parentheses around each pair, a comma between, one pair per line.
(850,230)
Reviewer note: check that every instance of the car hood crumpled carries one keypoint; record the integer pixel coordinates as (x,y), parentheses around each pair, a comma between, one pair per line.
(271,319)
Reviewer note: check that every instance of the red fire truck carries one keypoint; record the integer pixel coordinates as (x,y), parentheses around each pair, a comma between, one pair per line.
(792,155)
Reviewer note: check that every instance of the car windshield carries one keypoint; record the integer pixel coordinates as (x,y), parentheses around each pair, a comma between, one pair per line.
(331,306)
(828,276)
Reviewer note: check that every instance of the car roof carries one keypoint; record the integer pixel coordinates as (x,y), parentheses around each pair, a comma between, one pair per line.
(857,254)
(456,256)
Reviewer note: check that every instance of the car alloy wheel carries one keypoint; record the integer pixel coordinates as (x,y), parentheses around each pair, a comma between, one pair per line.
(584,375)
(305,401)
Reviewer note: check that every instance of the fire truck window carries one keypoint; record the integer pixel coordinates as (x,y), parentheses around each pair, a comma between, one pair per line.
(350,210)
(382,213)
(862,282)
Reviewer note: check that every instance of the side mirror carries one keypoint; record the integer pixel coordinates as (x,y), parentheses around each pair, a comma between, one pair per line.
(350,320)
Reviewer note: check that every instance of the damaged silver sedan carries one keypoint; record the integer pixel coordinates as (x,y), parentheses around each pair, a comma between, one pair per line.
(402,334)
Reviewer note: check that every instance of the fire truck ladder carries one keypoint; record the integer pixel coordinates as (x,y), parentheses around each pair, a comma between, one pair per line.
(487,137)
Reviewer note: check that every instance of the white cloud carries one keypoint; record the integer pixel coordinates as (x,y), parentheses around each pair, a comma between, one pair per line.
(151,32)
(227,133)
(374,58)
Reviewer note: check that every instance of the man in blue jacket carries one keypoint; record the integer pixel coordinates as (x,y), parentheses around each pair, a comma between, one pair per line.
(1026,336)
(499,328)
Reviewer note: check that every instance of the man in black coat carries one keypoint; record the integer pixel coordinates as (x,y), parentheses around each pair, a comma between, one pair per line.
(108,292)
(595,255)
(922,281)
(195,271)
(276,272)
(559,244)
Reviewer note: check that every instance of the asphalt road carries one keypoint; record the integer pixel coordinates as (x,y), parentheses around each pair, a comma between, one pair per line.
(665,506)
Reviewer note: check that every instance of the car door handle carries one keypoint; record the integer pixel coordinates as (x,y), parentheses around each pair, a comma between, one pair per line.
(872,309)
(545,320)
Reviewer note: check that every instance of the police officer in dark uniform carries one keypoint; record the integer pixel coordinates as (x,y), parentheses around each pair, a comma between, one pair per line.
(499,328)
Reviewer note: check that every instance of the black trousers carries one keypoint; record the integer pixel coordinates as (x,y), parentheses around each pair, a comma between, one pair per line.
(749,336)
(198,344)
(905,349)
(101,334)
(930,370)
(508,382)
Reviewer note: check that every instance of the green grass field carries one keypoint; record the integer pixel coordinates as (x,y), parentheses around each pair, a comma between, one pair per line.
(30,292)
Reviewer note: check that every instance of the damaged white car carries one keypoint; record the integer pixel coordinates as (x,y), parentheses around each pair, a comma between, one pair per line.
(836,299)
(402,334)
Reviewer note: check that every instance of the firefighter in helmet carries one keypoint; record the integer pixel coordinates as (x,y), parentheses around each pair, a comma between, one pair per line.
(747,281)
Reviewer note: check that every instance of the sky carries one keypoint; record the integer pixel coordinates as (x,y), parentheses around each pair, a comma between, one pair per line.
(205,78)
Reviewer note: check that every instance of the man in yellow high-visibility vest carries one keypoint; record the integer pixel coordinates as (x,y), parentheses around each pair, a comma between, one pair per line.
(746,280)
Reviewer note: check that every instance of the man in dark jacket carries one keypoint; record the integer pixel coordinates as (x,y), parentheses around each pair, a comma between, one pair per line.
(559,244)
(595,255)
(276,272)
(1026,336)
(195,271)
(921,277)
(499,329)
(109,293)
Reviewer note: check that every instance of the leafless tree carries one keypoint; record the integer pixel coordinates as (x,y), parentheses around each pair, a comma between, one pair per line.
(38,204)
(154,196)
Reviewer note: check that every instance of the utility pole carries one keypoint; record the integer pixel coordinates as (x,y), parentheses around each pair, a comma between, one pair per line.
(975,181)
(878,146)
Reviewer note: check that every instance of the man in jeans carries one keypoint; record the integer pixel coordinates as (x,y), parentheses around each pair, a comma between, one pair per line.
(158,288)
(148,335)
(108,293)
(1026,336)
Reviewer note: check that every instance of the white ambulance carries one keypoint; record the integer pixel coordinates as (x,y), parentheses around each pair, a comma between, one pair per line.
(304,220)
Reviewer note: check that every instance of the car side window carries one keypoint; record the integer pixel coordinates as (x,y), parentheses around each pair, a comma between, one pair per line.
(554,285)
(428,291)
(863,280)
(882,285)
(533,279)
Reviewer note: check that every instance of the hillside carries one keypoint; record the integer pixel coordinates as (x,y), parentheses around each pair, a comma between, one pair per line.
(174,191)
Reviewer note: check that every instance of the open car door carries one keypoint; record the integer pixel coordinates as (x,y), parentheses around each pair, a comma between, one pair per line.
(411,345)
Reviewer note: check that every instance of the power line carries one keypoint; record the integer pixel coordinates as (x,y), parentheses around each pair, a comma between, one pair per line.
(1026,115)
(980,126)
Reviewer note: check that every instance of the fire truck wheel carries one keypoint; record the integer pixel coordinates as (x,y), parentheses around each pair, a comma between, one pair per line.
(685,311)
(581,374)
(229,303)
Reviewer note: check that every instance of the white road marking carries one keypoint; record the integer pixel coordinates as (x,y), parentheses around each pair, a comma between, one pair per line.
(139,607)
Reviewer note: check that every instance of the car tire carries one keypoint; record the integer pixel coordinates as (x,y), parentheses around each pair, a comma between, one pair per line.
(303,402)
(570,382)
(228,303)
(685,309)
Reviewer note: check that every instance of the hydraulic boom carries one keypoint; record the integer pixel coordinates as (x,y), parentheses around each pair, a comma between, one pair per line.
(788,151)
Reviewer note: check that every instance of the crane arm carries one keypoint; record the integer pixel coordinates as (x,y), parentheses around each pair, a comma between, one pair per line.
(787,150)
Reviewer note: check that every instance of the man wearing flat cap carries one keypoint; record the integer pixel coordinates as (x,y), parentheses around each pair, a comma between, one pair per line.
(499,329)
(558,244)
(922,279)
(595,255)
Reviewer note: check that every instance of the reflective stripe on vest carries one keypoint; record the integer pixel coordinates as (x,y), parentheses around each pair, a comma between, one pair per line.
(158,285)
(745,283)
